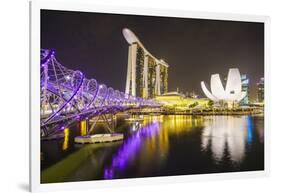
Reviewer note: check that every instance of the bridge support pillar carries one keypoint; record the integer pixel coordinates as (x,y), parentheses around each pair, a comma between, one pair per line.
(84,125)
(109,121)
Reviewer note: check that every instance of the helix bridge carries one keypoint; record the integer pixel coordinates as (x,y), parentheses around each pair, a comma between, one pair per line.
(67,96)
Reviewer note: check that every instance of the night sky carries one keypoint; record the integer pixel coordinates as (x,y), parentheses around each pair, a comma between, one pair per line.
(194,48)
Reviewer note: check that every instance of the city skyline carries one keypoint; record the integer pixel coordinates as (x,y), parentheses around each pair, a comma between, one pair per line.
(194,48)
(113,99)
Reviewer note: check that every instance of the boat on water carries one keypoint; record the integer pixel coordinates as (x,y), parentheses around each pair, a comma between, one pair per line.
(99,138)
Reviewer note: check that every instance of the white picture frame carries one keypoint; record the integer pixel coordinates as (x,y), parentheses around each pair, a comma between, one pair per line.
(36,6)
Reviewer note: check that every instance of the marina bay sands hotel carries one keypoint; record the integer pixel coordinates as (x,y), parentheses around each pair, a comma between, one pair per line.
(147,76)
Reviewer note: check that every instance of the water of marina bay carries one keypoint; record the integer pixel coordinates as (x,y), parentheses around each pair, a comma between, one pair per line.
(158,146)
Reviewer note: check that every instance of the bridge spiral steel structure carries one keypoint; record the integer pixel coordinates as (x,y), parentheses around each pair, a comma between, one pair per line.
(68,96)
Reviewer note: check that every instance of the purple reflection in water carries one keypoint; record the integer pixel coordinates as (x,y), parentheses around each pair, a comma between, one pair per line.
(129,149)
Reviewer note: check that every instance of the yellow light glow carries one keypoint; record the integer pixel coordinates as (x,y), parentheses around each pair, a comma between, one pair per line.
(83,128)
(171,125)
(66,139)
(180,102)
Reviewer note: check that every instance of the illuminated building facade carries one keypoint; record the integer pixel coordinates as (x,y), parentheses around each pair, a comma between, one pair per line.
(231,94)
(147,76)
(260,85)
(181,102)
(245,88)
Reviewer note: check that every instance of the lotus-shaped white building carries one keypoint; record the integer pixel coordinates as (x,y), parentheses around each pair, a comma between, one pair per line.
(232,91)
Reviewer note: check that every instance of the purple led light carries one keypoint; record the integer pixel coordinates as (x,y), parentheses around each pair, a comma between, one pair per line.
(129,149)
(67,102)
(70,87)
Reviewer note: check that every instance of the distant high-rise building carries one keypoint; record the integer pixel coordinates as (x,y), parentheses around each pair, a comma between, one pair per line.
(147,76)
(260,85)
(245,88)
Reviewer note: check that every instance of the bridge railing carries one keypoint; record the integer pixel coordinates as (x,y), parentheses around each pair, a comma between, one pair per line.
(66,93)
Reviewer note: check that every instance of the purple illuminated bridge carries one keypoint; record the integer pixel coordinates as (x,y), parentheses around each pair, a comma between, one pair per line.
(68,96)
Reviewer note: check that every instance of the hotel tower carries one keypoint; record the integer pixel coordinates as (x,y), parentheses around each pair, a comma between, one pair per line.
(147,76)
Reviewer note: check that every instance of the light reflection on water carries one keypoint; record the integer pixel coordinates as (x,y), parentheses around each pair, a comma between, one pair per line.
(227,133)
(130,148)
(163,145)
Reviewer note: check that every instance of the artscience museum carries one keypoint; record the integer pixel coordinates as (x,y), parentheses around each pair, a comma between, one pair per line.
(231,94)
